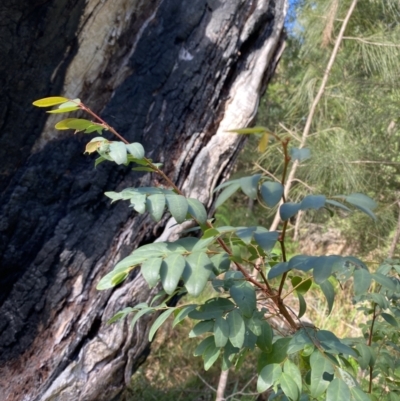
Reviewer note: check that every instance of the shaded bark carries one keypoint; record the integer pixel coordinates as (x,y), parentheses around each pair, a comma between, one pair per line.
(171,74)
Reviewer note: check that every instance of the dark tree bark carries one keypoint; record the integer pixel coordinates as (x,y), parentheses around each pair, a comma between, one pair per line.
(171,74)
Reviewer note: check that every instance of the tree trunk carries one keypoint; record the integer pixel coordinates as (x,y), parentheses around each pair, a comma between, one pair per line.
(171,74)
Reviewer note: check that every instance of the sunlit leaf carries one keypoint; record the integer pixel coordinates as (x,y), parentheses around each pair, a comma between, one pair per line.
(362,281)
(118,152)
(254,130)
(268,376)
(262,145)
(289,386)
(319,365)
(136,150)
(236,328)
(293,371)
(50,101)
(78,124)
(63,110)
(338,390)
(155,205)
(178,207)
(151,271)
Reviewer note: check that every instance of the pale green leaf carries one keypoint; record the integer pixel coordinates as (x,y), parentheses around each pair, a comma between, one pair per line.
(289,387)
(155,205)
(63,110)
(359,395)
(171,272)
(236,328)
(243,293)
(226,193)
(268,376)
(136,150)
(178,207)
(151,271)
(202,327)
(184,311)
(293,371)
(159,321)
(249,185)
(78,124)
(197,272)
(206,343)
(362,281)
(253,130)
(271,193)
(338,390)
(210,355)
(118,152)
(221,332)
(319,366)
(197,210)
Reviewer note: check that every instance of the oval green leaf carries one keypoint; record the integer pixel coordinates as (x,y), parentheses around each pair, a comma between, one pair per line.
(50,101)
(171,272)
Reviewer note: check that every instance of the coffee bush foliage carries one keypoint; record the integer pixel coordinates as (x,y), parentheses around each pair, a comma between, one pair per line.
(248,312)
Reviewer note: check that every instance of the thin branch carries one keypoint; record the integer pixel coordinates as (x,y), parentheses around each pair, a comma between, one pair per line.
(396,238)
(370,43)
(204,381)
(267,172)
(314,105)
(303,183)
(372,162)
(295,136)
(223,380)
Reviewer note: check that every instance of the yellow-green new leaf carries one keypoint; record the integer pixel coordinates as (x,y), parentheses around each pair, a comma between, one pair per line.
(63,110)
(78,124)
(50,101)
(254,130)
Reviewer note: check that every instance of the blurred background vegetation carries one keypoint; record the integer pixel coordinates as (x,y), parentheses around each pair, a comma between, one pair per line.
(354,142)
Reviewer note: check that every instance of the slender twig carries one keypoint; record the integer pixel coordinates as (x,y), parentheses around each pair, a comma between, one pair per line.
(371,369)
(396,237)
(314,105)
(204,381)
(266,172)
(369,42)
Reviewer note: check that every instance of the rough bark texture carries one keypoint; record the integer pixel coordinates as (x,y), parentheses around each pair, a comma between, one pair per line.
(171,74)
